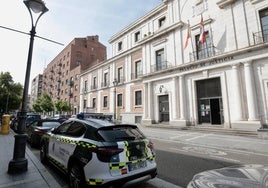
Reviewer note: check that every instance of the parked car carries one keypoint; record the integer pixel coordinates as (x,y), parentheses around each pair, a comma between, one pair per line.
(30,117)
(38,128)
(60,117)
(96,152)
(253,176)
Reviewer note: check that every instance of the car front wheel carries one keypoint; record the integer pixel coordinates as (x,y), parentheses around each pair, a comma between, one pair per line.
(76,176)
(43,153)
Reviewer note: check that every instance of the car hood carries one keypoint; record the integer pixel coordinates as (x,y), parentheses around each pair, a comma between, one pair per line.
(254,176)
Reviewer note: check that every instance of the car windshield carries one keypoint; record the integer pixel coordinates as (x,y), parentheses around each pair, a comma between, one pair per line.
(120,133)
(51,124)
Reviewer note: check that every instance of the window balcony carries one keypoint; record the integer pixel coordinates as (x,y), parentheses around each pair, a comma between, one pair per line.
(93,87)
(203,53)
(105,84)
(84,90)
(160,66)
(120,80)
(136,75)
(260,37)
(70,93)
(70,83)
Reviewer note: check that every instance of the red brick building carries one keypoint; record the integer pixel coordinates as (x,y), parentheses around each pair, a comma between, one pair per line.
(61,76)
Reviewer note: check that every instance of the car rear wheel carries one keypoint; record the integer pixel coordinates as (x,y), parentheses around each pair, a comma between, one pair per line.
(76,176)
(31,141)
(43,153)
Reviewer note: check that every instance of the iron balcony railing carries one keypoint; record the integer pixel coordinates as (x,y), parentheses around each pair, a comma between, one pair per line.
(105,84)
(203,53)
(260,37)
(70,82)
(136,75)
(93,87)
(160,66)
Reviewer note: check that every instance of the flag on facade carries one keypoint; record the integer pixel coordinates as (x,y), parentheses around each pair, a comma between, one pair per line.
(188,36)
(202,37)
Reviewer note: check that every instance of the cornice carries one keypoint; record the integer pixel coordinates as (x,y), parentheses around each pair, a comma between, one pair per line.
(157,10)
(224,3)
(255,1)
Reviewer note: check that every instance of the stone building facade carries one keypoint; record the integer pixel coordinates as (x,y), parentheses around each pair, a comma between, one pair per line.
(153,77)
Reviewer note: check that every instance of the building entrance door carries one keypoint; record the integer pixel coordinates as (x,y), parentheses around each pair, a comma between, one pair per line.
(210,111)
(163,108)
(210,108)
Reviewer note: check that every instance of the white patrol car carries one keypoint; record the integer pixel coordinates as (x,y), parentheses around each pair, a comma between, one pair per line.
(99,153)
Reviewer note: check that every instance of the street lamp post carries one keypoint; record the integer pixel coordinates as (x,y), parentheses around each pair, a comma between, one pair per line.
(115,84)
(19,163)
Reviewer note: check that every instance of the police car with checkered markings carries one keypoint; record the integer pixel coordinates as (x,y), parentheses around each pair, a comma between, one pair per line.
(99,153)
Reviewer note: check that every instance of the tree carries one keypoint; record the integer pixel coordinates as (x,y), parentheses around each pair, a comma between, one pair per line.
(37,105)
(62,106)
(43,104)
(10,93)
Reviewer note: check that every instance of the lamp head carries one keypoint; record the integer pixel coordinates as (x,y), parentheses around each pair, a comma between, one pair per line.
(115,82)
(37,6)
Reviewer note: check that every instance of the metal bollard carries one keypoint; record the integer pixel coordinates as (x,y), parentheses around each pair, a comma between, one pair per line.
(5,124)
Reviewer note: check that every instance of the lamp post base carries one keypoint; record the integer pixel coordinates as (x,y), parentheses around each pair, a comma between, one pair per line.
(19,163)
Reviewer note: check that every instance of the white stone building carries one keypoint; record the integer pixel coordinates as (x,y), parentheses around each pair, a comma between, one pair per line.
(223,81)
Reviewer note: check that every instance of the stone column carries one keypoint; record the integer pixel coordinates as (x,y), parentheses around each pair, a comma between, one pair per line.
(236,93)
(182,97)
(150,101)
(175,106)
(146,104)
(251,92)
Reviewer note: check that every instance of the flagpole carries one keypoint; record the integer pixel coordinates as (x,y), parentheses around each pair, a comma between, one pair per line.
(191,40)
(212,43)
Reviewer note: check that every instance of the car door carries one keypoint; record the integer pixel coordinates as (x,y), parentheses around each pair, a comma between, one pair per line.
(70,139)
(55,141)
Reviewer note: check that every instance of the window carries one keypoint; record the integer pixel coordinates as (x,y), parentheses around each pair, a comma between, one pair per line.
(138,69)
(161,21)
(94,82)
(120,75)
(85,103)
(120,100)
(159,59)
(137,36)
(138,98)
(204,50)
(120,45)
(264,24)
(94,103)
(85,86)
(105,83)
(105,101)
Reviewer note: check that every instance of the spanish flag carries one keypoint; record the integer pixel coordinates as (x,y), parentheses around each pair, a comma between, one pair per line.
(188,36)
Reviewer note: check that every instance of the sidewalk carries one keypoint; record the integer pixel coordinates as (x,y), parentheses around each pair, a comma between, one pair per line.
(35,176)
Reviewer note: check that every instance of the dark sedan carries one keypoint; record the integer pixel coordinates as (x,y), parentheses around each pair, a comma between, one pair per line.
(38,128)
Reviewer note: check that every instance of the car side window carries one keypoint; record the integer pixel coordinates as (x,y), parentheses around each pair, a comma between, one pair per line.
(35,124)
(63,128)
(76,129)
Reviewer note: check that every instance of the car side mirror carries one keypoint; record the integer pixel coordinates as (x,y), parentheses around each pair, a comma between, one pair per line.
(54,130)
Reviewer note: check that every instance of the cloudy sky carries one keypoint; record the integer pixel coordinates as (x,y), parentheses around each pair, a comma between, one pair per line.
(65,20)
